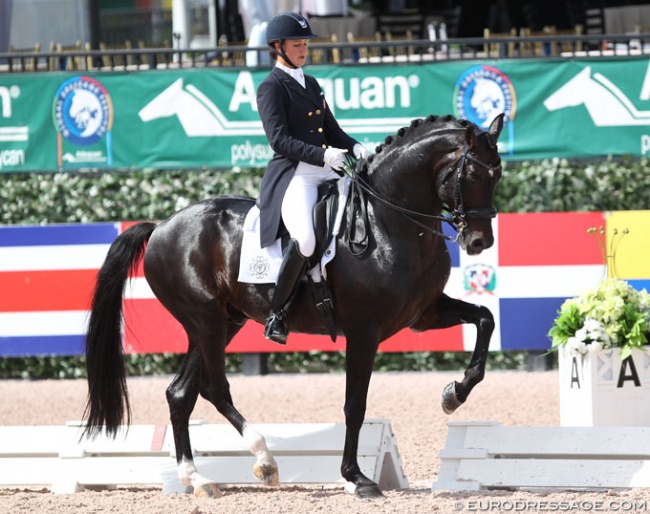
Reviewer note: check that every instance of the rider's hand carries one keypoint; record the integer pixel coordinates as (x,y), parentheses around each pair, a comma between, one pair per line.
(360,151)
(335,157)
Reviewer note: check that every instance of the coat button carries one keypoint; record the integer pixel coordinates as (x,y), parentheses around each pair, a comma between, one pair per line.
(320,129)
(324,145)
(317,111)
(309,113)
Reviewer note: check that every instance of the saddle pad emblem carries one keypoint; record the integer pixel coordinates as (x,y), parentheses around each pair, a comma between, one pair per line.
(260,267)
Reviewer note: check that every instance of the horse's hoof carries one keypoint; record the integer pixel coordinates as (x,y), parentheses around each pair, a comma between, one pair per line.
(207,490)
(450,401)
(364,491)
(369,491)
(267,474)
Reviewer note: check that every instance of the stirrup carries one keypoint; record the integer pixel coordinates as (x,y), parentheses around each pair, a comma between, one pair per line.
(276,329)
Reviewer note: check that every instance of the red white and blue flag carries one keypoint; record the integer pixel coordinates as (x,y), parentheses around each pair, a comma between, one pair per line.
(47,275)
(538,260)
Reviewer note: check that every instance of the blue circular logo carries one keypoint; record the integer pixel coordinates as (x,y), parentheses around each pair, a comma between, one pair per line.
(82,110)
(481,93)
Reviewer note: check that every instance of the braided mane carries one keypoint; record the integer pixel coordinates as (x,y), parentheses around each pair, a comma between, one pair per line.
(416,123)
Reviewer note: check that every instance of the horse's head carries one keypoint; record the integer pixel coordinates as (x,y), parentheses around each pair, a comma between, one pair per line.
(436,164)
(466,185)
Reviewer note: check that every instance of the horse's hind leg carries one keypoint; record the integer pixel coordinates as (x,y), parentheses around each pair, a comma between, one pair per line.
(204,372)
(181,397)
(216,389)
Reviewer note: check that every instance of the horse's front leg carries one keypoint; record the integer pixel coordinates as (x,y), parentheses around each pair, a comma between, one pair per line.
(360,356)
(449,312)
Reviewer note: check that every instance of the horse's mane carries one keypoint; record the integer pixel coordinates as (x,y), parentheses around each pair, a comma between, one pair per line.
(430,122)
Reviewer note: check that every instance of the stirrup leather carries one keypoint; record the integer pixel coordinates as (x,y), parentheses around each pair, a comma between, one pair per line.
(322,297)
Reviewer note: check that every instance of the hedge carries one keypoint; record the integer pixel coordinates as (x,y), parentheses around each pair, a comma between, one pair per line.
(41,198)
(550,185)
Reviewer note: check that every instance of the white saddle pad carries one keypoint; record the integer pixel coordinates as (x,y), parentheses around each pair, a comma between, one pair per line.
(262,265)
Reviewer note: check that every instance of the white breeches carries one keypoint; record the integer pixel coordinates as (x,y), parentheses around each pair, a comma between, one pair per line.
(299,201)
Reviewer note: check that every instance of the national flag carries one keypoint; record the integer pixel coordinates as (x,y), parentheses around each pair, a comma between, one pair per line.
(47,275)
(538,261)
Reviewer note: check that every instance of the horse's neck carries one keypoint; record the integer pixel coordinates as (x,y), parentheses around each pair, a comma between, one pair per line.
(401,188)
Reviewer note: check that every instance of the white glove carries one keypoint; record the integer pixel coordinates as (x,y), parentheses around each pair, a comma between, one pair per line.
(360,151)
(335,157)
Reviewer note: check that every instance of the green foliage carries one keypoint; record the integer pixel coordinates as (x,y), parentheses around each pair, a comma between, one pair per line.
(557,185)
(42,198)
(51,367)
(549,185)
(568,322)
(35,198)
(612,314)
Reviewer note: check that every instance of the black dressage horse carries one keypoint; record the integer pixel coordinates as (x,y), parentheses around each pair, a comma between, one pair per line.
(191,261)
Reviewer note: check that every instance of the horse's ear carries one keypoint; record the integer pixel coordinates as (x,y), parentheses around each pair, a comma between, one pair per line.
(495,127)
(470,136)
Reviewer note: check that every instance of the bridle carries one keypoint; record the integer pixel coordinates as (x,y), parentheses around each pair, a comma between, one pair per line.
(457,217)
(460,214)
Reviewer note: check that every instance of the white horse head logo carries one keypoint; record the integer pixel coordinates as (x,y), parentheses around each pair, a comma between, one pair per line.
(197,114)
(87,112)
(487,100)
(606,104)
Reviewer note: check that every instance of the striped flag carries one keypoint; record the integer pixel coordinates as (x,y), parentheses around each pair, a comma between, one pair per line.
(47,275)
(538,261)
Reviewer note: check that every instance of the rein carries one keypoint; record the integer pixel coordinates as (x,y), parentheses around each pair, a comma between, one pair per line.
(456,217)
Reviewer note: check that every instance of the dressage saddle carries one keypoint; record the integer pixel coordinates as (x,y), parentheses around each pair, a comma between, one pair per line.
(355,234)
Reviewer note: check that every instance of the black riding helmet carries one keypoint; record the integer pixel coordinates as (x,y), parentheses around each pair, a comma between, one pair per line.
(287,25)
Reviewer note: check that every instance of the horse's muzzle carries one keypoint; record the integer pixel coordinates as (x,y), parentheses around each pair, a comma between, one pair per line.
(474,244)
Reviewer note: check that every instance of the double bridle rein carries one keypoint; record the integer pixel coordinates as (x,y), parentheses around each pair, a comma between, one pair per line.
(457,217)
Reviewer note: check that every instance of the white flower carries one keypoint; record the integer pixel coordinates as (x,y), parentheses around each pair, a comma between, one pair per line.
(612,314)
(576,347)
(581,335)
(596,332)
(596,347)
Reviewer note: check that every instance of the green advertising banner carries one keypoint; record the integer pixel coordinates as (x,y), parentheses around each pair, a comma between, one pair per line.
(198,118)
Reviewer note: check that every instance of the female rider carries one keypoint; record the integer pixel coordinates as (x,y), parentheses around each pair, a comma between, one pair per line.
(309,148)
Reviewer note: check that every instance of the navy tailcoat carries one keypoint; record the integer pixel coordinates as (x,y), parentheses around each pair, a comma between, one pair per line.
(299,126)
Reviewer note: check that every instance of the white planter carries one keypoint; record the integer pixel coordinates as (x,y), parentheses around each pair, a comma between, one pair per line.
(597,389)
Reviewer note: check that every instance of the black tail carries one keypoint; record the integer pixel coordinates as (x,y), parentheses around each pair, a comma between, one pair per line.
(108,399)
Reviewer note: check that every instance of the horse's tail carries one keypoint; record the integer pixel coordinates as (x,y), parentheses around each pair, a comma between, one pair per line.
(108,399)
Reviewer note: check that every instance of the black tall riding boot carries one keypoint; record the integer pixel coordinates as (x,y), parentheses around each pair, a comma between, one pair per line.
(292,268)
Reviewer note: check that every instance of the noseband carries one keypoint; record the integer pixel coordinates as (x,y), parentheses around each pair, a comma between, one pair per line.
(457,217)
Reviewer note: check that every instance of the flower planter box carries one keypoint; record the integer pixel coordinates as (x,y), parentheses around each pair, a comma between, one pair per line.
(598,389)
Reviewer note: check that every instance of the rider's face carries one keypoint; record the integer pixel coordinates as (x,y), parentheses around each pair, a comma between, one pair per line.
(296,51)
